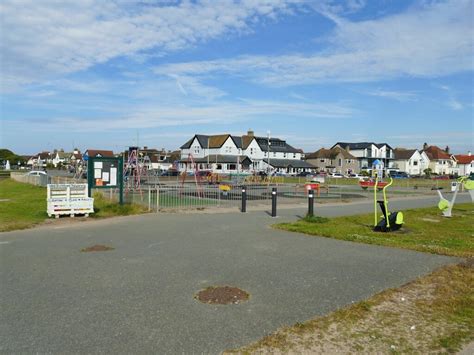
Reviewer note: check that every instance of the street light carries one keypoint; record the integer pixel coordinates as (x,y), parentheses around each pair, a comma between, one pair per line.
(268,151)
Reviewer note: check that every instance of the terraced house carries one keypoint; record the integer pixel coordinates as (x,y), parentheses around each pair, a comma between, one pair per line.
(248,153)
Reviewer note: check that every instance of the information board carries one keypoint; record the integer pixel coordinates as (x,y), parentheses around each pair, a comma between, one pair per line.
(105,172)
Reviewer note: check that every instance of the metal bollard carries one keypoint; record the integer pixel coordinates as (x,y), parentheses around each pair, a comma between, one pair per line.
(244,200)
(274,202)
(310,203)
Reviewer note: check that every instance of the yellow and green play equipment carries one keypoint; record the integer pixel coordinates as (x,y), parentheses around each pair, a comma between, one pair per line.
(446,206)
(390,221)
(469,185)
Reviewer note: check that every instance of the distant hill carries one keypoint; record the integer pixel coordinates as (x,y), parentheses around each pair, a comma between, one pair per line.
(6,154)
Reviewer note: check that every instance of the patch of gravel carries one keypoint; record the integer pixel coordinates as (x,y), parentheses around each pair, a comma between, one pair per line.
(97,247)
(222,295)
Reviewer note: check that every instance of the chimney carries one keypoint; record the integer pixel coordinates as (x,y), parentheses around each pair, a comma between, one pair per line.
(145,147)
(250,133)
(425,146)
(446,149)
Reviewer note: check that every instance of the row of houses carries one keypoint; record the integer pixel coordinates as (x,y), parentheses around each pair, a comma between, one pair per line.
(226,153)
(155,159)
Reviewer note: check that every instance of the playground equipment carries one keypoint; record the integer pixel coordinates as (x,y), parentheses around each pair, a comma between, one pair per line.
(390,221)
(135,169)
(445,205)
(469,185)
(194,167)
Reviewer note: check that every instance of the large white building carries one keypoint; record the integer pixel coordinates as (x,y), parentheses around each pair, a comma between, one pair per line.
(248,153)
(368,152)
(411,161)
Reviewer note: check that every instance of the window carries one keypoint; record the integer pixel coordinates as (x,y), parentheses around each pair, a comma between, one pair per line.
(415,163)
(251,151)
(284,155)
(274,154)
(340,162)
(232,167)
(322,161)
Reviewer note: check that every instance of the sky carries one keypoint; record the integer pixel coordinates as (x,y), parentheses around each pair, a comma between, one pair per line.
(113,74)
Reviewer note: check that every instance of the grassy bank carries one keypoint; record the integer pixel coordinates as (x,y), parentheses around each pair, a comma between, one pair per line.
(424,230)
(21,205)
(433,314)
(24,206)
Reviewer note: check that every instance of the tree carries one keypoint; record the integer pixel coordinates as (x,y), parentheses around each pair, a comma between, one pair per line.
(428,172)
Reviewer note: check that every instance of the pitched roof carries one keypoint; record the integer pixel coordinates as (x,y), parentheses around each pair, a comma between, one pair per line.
(464,158)
(436,153)
(94,152)
(403,154)
(276,145)
(285,163)
(44,155)
(360,145)
(330,154)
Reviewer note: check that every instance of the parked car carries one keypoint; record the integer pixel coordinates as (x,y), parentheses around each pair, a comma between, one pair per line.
(336,176)
(399,175)
(36,173)
(441,177)
(304,174)
(354,176)
(170,173)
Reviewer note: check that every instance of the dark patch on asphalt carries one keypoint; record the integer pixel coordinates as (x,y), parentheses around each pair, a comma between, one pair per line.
(97,247)
(222,295)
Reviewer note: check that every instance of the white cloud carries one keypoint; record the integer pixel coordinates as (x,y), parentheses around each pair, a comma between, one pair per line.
(394,95)
(430,40)
(178,116)
(40,39)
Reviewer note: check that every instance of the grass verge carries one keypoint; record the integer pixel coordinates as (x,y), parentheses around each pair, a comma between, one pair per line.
(24,206)
(21,205)
(424,230)
(432,314)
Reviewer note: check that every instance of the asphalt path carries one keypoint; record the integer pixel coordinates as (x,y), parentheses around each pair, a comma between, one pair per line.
(138,298)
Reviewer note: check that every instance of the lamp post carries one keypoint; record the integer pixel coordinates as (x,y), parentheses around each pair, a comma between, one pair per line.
(268,151)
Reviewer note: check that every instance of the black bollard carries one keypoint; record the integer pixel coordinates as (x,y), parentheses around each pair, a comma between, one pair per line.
(244,200)
(274,202)
(310,203)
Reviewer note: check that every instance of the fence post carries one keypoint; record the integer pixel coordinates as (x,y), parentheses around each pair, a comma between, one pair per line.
(244,199)
(310,203)
(149,198)
(274,201)
(157,198)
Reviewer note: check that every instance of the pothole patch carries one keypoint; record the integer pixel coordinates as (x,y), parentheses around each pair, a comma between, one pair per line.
(97,247)
(222,295)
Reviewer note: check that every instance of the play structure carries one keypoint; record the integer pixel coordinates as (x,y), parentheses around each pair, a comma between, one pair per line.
(135,169)
(193,168)
(446,206)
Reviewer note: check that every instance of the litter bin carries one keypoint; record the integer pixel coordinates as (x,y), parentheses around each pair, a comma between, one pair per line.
(454,185)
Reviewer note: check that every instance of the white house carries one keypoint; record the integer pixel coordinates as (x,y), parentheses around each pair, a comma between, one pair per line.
(440,161)
(368,152)
(227,153)
(410,161)
(465,163)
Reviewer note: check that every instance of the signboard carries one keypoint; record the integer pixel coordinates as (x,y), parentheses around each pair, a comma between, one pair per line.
(105,172)
(68,199)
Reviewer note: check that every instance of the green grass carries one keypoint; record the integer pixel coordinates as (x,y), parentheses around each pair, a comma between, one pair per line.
(24,206)
(21,206)
(424,230)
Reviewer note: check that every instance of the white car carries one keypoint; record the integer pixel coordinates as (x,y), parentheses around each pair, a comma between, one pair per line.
(354,176)
(336,176)
(36,173)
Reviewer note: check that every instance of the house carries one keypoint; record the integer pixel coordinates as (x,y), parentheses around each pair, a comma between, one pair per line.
(40,160)
(465,163)
(76,157)
(368,152)
(334,160)
(152,158)
(411,161)
(441,162)
(226,153)
(60,158)
(97,153)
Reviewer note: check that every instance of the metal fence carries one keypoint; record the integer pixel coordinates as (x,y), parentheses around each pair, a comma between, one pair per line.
(168,197)
(43,180)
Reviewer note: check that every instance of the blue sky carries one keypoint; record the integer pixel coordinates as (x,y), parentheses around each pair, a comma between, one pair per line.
(97,74)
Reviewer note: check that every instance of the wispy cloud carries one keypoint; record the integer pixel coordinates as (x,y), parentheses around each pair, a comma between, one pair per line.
(430,40)
(394,95)
(222,113)
(49,38)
